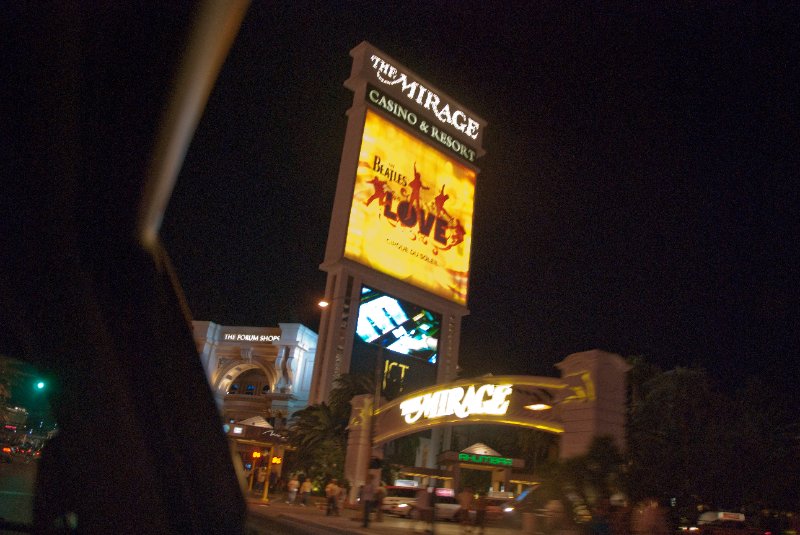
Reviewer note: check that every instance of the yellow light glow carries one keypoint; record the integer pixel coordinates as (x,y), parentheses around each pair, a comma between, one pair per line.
(323,304)
(411,214)
(538,407)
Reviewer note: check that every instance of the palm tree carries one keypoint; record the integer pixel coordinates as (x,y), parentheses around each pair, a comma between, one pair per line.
(319,432)
(347,386)
(315,425)
(320,439)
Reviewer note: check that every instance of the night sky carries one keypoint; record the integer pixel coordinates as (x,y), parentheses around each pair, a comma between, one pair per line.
(638,193)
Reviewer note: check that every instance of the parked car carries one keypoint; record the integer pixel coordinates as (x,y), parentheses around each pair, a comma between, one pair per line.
(528,502)
(724,523)
(399,500)
(446,507)
(499,509)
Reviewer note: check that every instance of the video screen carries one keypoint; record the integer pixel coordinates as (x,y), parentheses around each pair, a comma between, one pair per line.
(398,325)
(412,209)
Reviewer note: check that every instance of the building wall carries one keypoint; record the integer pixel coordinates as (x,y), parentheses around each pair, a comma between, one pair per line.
(602,411)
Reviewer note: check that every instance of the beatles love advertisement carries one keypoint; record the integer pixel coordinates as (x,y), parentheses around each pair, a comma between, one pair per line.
(411,215)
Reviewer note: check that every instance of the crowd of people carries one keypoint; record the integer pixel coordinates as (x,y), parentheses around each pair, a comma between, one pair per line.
(297,491)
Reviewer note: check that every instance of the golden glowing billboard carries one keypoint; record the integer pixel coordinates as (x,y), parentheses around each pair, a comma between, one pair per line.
(411,215)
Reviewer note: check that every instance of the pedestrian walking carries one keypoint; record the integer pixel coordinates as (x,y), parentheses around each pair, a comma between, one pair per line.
(423,510)
(466,501)
(262,478)
(332,491)
(480,512)
(292,487)
(380,494)
(368,495)
(305,490)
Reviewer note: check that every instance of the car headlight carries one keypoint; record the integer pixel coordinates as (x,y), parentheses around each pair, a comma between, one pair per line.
(401,505)
(508,509)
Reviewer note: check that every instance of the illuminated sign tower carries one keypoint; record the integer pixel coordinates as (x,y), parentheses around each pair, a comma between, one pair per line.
(398,250)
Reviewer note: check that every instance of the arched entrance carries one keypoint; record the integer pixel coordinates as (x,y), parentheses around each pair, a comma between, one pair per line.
(253,415)
(588,400)
(245,378)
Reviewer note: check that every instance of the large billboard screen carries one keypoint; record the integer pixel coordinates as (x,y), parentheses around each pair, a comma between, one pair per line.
(398,325)
(399,337)
(411,214)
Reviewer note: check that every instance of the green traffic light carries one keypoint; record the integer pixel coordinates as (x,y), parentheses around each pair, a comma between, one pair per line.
(40,385)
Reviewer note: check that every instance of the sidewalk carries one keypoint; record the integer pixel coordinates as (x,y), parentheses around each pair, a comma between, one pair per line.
(312,520)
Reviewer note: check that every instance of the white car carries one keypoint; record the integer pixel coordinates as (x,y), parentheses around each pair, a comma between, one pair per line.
(447,508)
(399,501)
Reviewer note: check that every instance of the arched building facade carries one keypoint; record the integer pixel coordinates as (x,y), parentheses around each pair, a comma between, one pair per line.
(259,376)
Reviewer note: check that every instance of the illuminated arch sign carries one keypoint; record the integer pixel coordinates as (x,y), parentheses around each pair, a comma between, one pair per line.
(521,400)
(458,402)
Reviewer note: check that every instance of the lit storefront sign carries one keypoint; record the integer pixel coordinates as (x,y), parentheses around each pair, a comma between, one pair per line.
(446,112)
(485,459)
(439,137)
(390,365)
(239,337)
(459,402)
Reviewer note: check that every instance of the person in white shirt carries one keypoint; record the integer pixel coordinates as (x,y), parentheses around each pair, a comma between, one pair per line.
(292,487)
